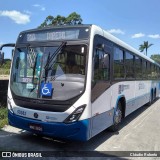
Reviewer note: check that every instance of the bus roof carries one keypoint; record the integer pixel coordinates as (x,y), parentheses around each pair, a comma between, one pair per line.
(56,27)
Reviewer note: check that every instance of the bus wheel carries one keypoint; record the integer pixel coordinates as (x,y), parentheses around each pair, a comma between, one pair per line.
(155,94)
(151,98)
(117,118)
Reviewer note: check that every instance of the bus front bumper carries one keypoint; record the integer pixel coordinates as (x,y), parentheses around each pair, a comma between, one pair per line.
(73,131)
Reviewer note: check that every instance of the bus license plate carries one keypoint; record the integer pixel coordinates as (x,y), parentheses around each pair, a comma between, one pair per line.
(36,127)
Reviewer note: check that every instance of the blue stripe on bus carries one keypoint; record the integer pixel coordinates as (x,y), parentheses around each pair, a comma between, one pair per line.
(73,131)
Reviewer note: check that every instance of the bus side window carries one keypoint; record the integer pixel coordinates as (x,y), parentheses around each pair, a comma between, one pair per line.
(101,65)
(119,68)
(101,73)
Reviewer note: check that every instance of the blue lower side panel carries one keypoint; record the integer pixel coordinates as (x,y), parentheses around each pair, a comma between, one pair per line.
(73,131)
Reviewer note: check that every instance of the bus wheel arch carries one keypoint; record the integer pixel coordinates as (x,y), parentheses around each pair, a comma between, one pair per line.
(119,114)
(123,106)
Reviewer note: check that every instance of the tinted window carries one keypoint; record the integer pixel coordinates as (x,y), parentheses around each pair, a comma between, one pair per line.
(138,67)
(154,74)
(144,69)
(149,70)
(101,66)
(118,55)
(101,70)
(158,72)
(119,69)
(129,65)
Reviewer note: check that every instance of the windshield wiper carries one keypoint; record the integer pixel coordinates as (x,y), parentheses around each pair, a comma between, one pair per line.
(46,68)
(34,67)
(50,59)
(55,54)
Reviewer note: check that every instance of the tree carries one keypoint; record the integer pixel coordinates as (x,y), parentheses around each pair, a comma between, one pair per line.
(72,19)
(5,68)
(156,58)
(47,22)
(58,20)
(144,46)
(7,63)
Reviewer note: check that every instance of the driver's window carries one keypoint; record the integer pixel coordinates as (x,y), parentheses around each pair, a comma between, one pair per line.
(101,74)
(101,65)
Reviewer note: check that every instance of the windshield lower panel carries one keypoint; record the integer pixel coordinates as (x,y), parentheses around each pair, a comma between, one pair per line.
(48,73)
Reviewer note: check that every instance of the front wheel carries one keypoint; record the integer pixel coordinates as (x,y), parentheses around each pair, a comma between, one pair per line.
(117,118)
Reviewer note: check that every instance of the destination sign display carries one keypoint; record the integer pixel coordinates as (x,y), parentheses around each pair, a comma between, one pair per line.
(55,34)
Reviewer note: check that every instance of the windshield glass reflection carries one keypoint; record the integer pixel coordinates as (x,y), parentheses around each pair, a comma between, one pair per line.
(62,79)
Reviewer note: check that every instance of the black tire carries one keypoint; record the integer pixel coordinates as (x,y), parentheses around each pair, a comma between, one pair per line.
(154,95)
(151,98)
(117,118)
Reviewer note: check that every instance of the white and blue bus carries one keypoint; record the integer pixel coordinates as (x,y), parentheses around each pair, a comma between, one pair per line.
(72,82)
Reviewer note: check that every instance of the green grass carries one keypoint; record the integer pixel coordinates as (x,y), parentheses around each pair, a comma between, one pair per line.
(4,71)
(3,117)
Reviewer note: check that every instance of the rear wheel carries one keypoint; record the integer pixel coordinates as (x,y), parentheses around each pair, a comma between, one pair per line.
(152,98)
(155,94)
(117,118)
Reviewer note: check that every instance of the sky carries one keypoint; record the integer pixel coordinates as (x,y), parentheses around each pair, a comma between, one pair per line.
(133,21)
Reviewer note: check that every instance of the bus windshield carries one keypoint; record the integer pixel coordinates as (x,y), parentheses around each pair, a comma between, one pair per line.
(38,72)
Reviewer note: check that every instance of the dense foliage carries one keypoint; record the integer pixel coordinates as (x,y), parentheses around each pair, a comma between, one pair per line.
(71,19)
(3,117)
(156,57)
(4,69)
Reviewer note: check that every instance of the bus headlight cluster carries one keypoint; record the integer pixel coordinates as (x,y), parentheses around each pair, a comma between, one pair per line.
(75,115)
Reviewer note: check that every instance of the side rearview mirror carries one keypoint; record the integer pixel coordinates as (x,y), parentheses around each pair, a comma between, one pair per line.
(1,57)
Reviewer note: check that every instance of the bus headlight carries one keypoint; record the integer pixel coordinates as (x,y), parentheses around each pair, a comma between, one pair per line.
(75,115)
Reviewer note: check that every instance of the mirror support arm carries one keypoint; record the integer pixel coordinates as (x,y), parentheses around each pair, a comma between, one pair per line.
(7,45)
(2,53)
